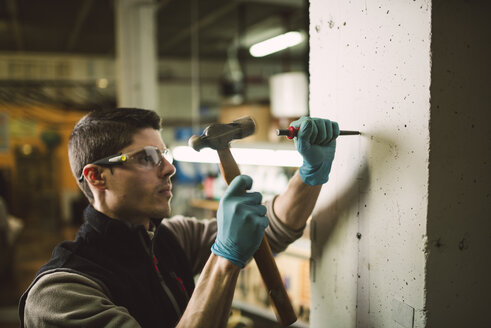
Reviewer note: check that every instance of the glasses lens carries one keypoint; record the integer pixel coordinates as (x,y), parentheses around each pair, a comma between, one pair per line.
(153,155)
(168,155)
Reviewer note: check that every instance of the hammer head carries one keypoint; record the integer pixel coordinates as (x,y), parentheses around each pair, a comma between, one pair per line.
(218,135)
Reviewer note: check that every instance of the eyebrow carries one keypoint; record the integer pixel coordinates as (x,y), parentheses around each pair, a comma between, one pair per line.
(141,148)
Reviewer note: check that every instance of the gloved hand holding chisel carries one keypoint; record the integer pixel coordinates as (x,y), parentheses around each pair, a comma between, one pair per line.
(316,142)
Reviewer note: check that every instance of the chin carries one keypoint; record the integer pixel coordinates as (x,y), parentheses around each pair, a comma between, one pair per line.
(161,213)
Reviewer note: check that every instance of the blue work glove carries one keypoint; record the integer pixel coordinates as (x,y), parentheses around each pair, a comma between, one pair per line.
(241,222)
(316,142)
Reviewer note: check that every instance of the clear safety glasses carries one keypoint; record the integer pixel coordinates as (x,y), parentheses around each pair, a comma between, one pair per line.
(148,157)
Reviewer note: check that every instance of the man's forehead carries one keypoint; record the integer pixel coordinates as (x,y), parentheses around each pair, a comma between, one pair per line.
(146,137)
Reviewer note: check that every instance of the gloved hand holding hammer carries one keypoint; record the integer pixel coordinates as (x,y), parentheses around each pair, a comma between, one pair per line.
(241,222)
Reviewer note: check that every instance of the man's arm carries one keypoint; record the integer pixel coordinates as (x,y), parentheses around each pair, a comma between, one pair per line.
(294,206)
(73,300)
(316,142)
(57,297)
(212,298)
(241,222)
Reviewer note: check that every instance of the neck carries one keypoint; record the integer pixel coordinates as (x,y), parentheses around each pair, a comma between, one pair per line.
(114,214)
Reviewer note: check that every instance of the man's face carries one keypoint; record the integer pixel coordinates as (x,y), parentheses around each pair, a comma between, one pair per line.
(135,193)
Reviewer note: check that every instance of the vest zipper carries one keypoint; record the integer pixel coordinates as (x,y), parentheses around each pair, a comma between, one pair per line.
(159,275)
(181,283)
(171,273)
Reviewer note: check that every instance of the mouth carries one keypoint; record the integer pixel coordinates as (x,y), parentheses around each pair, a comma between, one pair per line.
(165,190)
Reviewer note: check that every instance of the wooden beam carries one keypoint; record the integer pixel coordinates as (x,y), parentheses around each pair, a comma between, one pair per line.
(79,22)
(14,19)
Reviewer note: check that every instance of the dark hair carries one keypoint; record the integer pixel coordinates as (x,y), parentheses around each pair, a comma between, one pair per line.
(105,132)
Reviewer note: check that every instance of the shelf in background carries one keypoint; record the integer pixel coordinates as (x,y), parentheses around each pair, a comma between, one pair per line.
(206,204)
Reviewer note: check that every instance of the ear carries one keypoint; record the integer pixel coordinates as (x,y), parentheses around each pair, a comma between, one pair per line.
(93,175)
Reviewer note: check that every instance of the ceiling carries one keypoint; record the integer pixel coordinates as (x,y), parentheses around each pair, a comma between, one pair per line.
(87,26)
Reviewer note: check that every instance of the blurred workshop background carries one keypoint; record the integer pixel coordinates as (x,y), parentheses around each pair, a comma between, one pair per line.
(191,61)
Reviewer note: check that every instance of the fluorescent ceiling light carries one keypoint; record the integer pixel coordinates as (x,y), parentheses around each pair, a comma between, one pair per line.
(243,156)
(276,44)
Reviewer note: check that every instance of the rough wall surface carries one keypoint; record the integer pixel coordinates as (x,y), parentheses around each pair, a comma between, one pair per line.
(370,70)
(459,224)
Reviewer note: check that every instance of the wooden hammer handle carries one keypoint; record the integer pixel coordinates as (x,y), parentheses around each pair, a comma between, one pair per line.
(263,256)
(228,166)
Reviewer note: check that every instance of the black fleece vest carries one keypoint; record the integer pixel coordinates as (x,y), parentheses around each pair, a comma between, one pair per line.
(137,273)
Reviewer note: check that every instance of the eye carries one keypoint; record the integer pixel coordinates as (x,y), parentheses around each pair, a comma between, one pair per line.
(143,159)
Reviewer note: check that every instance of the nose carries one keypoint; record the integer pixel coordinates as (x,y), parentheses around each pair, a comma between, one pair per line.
(166,168)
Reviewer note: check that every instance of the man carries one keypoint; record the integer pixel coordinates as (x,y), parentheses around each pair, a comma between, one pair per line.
(129,268)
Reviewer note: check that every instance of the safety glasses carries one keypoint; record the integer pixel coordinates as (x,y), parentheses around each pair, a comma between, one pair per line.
(147,158)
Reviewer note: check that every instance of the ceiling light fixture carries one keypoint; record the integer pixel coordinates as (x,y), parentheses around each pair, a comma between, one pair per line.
(276,44)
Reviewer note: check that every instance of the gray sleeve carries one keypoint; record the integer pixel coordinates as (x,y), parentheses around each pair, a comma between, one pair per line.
(197,236)
(65,299)
(279,235)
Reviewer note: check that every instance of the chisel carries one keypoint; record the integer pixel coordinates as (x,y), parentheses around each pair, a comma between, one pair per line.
(291,132)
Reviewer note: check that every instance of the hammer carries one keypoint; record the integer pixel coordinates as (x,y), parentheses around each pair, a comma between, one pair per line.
(218,136)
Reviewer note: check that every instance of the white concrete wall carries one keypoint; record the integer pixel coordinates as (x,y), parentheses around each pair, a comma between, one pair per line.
(370,70)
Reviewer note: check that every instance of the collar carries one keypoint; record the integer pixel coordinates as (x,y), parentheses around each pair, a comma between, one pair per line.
(103,223)
(117,232)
